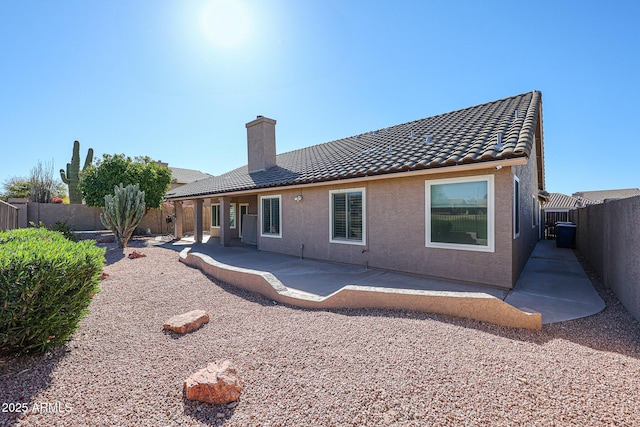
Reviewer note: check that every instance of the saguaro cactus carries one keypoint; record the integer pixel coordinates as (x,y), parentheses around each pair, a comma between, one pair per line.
(72,175)
(123,211)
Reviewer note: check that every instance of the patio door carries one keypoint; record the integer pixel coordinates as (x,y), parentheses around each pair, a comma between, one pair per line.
(244,209)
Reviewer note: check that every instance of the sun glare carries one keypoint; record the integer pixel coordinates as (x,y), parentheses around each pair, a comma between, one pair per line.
(226,23)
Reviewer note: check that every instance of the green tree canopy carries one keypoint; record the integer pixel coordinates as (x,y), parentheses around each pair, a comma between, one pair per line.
(100,179)
(16,187)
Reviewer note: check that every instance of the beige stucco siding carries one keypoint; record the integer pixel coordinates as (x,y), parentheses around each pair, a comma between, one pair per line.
(529,187)
(395,230)
(235,232)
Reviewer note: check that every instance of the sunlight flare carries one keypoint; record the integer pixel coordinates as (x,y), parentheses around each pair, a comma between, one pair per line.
(226,23)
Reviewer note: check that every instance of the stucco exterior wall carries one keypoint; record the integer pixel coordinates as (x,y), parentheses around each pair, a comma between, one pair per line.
(252,201)
(87,218)
(395,230)
(608,236)
(524,244)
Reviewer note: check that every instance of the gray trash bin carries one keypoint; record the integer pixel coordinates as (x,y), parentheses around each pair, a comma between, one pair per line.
(566,235)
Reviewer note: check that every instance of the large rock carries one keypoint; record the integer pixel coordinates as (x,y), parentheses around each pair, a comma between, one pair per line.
(187,322)
(218,383)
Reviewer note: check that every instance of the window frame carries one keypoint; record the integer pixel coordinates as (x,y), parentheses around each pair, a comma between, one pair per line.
(261,213)
(347,241)
(215,207)
(233,217)
(490,180)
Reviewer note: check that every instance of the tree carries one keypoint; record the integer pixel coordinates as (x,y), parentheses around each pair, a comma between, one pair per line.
(72,174)
(123,211)
(98,181)
(40,186)
(17,187)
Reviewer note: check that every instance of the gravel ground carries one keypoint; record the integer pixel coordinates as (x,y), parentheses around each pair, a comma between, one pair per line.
(317,368)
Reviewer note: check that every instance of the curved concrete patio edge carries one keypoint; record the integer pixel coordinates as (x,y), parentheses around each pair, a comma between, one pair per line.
(472,305)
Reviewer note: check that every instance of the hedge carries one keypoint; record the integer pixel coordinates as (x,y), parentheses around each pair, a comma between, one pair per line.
(46,285)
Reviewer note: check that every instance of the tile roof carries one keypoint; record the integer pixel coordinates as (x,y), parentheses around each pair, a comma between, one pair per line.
(185,176)
(562,201)
(459,137)
(601,195)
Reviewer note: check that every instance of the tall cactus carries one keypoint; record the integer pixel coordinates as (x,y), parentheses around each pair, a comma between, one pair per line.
(72,175)
(123,211)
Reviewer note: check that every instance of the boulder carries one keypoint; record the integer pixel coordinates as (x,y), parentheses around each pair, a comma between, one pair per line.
(219,383)
(134,255)
(105,239)
(187,322)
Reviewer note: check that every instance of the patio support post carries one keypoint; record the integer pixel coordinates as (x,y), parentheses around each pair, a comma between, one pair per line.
(206,205)
(178,219)
(197,220)
(225,230)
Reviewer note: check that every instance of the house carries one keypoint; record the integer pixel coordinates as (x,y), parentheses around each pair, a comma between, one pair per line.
(600,196)
(557,208)
(182,176)
(453,196)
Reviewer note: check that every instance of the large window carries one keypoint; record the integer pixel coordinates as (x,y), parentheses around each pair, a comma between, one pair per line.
(271,214)
(347,216)
(459,213)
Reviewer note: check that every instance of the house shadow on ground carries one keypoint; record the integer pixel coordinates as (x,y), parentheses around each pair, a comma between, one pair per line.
(22,378)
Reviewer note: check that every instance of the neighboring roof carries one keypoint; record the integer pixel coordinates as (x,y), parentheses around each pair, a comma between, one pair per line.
(456,138)
(185,176)
(601,195)
(562,201)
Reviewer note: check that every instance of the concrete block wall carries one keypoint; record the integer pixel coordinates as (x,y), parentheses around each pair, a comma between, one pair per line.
(608,235)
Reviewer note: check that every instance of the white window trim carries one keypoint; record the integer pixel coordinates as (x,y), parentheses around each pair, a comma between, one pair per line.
(516,207)
(274,196)
(240,205)
(212,205)
(235,214)
(489,179)
(364,217)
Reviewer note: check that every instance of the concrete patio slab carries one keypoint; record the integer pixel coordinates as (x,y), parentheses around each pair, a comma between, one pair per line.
(554,283)
(553,286)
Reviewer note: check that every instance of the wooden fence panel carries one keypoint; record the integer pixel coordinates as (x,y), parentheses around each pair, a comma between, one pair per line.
(8,216)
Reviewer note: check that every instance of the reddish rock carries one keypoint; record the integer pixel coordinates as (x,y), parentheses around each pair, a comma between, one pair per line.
(187,322)
(218,383)
(134,255)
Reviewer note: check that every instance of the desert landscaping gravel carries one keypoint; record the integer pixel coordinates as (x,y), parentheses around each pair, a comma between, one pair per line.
(317,368)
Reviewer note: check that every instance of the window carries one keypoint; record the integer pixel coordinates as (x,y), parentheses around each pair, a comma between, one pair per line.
(347,216)
(516,207)
(232,215)
(271,216)
(460,213)
(215,215)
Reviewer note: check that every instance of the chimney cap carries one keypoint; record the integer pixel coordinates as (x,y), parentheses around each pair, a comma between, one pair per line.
(261,119)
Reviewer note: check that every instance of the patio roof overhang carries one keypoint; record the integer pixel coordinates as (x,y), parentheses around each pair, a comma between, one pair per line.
(496,164)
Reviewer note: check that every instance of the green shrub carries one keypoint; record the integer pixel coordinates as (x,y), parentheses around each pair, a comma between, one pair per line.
(66,230)
(46,285)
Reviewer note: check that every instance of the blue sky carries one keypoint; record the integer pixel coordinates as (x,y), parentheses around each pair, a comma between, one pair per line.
(178,80)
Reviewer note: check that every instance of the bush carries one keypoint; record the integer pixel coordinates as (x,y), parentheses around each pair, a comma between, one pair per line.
(46,285)
(66,230)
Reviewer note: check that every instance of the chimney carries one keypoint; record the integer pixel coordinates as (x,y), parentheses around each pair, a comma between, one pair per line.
(261,144)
